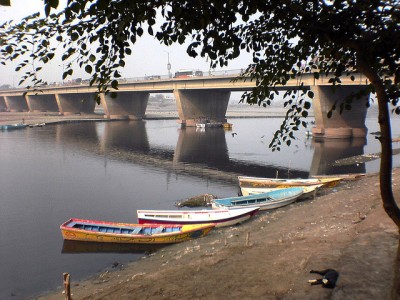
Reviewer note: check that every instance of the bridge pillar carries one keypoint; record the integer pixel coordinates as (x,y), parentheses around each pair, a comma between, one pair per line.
(127,105)
(37,103)
(69,104)
(16,103)
(349,123)
(3,105)
(196,105)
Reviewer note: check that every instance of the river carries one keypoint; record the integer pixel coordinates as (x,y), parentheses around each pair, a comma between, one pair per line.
(108,170)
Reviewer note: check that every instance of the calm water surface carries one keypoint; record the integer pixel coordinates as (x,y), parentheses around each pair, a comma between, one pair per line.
(108,170)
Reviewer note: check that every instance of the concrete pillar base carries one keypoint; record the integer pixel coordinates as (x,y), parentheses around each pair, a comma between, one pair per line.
(67,113)
(18,110)
(360,132)
(119,117)
(339,133)
(193,122)
(134,117)
(332,133)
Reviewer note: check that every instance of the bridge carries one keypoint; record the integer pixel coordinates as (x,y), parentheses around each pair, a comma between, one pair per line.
(202,98)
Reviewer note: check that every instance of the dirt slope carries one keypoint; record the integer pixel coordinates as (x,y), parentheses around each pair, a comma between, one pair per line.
(270,256)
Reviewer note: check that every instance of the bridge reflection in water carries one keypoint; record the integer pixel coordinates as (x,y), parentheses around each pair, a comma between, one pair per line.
(327,151)
(203,154)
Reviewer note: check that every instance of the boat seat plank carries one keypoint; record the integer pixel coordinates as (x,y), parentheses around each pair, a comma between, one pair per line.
(158,230)
(136,230)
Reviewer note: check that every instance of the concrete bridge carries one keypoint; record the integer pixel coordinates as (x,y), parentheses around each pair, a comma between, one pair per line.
(202,98)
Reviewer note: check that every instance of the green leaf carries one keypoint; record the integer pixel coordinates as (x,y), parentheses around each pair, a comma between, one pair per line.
(74,36)
(88,69)
(9,49)
(114,84)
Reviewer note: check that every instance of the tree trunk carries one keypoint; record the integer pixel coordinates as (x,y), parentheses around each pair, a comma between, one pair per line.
(388,200)
(389,203)
(385,172)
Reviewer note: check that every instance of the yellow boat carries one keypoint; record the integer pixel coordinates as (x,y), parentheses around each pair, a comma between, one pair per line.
(111,232)
(286,183)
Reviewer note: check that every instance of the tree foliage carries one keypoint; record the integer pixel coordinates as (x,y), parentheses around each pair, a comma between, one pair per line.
(286,38)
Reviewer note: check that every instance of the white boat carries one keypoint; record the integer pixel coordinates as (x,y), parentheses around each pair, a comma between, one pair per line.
(220,217)
(246,181)
(270,200)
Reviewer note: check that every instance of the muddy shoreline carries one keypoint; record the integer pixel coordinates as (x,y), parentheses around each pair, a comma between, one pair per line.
(270,256)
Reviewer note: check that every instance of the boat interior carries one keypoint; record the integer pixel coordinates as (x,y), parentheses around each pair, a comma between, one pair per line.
(126,230)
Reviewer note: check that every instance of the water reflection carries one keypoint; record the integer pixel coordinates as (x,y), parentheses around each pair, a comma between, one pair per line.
(327,151)
(128,141)
(207,146)
(126,136)
(90,247)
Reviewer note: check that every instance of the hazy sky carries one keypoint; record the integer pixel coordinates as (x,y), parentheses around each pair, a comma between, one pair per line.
(148,56)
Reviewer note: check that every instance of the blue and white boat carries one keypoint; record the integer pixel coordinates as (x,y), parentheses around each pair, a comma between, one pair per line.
(12,126)
(264,201)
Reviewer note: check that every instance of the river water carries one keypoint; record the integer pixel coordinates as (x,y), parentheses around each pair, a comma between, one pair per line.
(108,170)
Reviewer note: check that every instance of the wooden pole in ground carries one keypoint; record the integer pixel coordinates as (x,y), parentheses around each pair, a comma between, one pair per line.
(67,286)
(248,239)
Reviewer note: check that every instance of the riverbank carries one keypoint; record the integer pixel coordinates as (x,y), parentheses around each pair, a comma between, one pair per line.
(152,112)
(270,256)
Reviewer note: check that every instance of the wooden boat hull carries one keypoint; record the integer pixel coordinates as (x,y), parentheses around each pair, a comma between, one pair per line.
(221,217)
(111,232)
(264,201)
(308,191)
(345,177)
(245,181)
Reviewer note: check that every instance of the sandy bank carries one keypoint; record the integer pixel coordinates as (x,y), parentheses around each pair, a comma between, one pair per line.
(345,229)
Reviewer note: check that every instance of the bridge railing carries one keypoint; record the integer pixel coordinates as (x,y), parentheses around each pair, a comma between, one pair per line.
(75,82)
(359,79)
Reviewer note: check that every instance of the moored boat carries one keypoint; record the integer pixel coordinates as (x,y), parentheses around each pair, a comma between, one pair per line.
(12,126)
(246,181)
(265,201)
(345,177)
(308,191)
(111,232)
(221,217)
